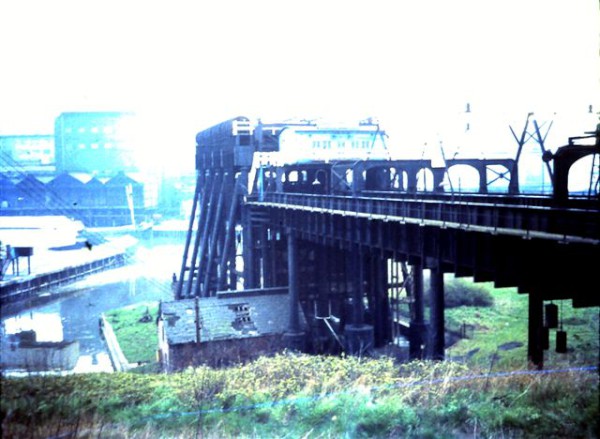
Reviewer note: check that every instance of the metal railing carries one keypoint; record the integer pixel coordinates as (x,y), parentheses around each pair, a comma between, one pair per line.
(513,216)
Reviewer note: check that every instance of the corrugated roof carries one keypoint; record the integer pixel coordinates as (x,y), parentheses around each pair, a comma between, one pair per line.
(83,177)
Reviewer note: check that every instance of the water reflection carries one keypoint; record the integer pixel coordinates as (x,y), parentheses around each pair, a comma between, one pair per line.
(47,325)
(75,316)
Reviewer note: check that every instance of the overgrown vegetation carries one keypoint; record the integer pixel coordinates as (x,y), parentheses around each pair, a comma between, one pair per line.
(464,292)
(497,336)
(302,396)
(486,390)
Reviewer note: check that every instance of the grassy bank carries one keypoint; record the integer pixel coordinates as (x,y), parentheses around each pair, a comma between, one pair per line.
(486,391)
(497,335)
(302,396)
(135,329)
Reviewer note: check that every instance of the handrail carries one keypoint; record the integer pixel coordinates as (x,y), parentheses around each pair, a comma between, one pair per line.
(542,221)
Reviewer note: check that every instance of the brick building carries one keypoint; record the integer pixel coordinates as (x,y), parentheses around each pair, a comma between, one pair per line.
(230,328)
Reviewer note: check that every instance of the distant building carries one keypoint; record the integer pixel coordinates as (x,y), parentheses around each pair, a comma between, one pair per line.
(8,192)
(230,328)
(100,143)
(96,201)
(86,170)
(25,151)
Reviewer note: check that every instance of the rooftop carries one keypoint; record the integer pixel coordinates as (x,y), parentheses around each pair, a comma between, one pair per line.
(226,316)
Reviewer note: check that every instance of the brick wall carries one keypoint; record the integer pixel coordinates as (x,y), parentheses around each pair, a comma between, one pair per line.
(223,352)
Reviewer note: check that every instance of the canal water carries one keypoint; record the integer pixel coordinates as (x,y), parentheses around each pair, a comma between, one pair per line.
(75,315)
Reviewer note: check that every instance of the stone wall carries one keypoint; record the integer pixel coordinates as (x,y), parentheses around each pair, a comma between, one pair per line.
(39,356)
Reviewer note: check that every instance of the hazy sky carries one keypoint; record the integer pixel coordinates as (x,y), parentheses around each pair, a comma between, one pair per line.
(184,65)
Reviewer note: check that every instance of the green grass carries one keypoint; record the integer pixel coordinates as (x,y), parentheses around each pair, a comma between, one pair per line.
(488,328)
(138,339)
(464,292)
(293,395)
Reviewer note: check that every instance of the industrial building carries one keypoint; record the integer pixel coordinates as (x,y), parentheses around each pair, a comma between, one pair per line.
(95,142)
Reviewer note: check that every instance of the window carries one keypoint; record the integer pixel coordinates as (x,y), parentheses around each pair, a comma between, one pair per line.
(94,146)
(243,319)
(81,146)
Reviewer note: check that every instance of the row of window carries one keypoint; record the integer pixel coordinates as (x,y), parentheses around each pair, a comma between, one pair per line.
(95,130)
(107,145)
(341,144)
(45,151)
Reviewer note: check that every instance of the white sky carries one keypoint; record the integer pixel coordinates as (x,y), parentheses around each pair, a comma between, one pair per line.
(185,65)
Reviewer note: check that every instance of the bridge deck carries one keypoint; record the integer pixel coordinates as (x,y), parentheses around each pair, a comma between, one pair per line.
(513,216)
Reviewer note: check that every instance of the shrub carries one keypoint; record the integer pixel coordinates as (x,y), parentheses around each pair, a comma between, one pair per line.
(462,292)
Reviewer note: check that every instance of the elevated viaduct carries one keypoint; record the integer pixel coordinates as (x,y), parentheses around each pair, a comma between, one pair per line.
(347,236)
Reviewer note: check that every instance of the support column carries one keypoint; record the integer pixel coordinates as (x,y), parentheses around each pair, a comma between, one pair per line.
(360,337)
(278,247)
(380,303)
(203,207)
(322,281)
(436,324)
(263,268)
(384,287)
(271,265)
(513,184)
(357,267)
(535,348)
(226,277)
(205,236)
(438,178)
(411,185)
(197,197)
(483,184)
(324,334)
(209,285)
(294,337)
(418,328)
(250,277)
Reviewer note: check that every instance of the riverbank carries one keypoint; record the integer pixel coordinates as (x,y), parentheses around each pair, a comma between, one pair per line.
(72,310)
(117,358)
(131,335)
(51,268)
